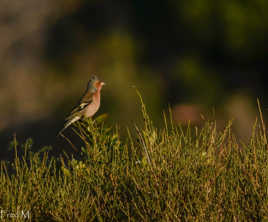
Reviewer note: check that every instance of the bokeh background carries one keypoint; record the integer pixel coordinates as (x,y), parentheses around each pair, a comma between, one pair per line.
(196,56)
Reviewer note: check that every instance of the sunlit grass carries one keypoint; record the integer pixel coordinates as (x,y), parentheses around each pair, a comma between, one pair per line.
(170,174)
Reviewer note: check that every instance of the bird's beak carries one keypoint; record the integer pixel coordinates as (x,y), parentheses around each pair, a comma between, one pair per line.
(103,83)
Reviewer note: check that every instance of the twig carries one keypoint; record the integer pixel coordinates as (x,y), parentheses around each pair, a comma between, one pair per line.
(69,141)
(262,123)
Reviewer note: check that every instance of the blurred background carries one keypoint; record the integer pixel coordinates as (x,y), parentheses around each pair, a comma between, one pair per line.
(195,56)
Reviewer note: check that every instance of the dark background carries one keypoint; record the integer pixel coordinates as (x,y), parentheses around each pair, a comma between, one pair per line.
(196,56)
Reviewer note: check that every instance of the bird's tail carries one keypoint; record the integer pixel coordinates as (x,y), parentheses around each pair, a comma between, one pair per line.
(68,123)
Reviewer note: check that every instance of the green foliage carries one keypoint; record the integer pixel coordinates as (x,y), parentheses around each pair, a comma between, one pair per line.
(169,174)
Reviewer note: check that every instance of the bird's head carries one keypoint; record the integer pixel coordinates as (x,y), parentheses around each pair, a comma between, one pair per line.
(94,84)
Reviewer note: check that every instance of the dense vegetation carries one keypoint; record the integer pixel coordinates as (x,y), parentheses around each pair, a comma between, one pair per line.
(171,174)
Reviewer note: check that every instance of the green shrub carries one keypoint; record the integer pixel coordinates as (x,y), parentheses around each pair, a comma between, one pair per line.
(168,174)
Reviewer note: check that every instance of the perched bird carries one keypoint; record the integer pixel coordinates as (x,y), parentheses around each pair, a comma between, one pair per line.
(89,103)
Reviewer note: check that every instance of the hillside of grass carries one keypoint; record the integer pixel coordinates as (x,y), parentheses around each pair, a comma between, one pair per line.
(174,173)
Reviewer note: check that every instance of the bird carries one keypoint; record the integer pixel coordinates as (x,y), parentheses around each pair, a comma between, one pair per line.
(89,103)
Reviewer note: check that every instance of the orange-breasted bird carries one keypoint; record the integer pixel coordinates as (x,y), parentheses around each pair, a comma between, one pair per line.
(89,103)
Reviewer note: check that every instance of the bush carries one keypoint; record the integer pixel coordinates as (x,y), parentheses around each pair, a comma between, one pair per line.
(169,174)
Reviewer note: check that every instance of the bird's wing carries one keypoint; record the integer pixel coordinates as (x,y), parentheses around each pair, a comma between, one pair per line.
(76,113)
(87,97)
(84,102)
(77,110)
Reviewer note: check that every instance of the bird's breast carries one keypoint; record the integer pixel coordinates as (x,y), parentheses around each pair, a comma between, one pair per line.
(93,107)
